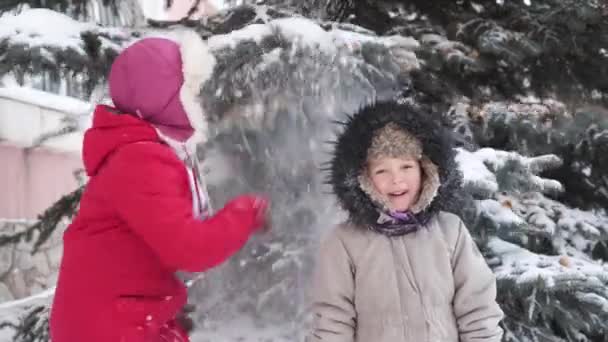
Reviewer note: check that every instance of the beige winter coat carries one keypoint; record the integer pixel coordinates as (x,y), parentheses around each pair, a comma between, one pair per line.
(429,286)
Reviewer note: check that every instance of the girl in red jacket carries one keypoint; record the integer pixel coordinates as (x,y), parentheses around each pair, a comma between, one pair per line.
(144,214)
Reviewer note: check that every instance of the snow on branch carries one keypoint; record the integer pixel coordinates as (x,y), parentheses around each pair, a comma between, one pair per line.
(524,267)
(28,318)
(487,170)
(63,47)
(58,32)
(47,222)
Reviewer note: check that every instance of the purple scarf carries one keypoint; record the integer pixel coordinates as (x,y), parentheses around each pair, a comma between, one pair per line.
(399,223)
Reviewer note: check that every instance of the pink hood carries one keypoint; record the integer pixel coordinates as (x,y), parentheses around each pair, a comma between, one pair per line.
(159,80)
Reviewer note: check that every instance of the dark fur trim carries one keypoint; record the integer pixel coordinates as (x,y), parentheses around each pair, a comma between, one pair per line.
(350,155)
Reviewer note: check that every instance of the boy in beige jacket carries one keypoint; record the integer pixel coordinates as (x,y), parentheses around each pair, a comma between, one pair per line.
(400,269)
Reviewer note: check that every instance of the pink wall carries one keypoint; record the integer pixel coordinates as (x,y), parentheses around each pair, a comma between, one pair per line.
(32,180)
(180,8)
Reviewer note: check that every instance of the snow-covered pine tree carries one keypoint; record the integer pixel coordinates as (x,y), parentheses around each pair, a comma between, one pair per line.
(121,13)
(550,256)
(511,77)
(71,52)
(541,250)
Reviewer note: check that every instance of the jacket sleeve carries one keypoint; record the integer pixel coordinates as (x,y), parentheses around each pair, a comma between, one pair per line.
(477,313)
(150,192)
(334,315)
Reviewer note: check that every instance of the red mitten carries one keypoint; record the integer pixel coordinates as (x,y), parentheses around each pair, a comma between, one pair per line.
(253,208)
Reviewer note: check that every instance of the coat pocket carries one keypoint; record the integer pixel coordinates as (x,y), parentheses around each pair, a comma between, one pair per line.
(147,319)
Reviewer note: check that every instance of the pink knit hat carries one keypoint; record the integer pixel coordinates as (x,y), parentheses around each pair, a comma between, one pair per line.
(159,80)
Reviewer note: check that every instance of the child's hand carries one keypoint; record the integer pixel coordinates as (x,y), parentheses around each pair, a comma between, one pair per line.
(256,205)
(264,217)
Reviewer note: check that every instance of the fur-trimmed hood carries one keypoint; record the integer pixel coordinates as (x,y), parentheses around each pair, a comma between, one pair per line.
(352,146)
(159,79)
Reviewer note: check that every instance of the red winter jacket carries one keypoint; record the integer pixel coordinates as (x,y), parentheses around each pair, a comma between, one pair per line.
(134,229)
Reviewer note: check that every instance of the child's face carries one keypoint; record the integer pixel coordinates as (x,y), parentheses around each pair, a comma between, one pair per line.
(397,180)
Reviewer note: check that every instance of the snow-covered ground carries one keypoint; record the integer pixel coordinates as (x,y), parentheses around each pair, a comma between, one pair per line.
(241,330)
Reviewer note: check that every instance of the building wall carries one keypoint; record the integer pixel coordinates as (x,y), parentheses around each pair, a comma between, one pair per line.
(33,175)
(32,180)
(180,8)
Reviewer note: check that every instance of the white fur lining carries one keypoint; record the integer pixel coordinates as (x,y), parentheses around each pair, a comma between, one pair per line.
(430,185)
(198,64)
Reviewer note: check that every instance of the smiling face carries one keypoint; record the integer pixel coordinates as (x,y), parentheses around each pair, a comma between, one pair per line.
(397,180)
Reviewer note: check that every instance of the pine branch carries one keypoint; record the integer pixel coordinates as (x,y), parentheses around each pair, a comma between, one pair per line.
(32,327)
(568,293)
(522,331)
(83,55)
(513,49)
(71,125)
(187,22)
(47,222)
(79,7)
(192,9)
(546,128)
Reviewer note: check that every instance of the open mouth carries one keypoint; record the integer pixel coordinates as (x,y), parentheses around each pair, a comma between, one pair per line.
(397,194)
